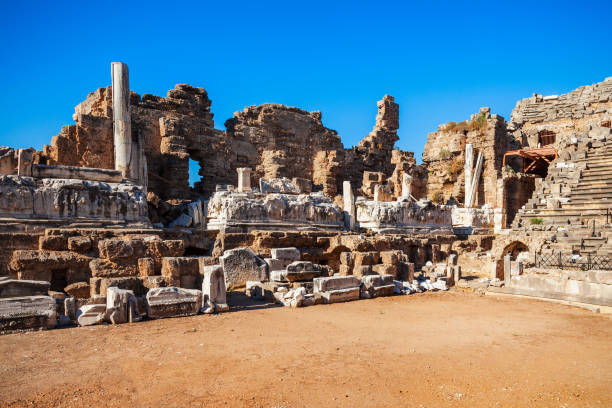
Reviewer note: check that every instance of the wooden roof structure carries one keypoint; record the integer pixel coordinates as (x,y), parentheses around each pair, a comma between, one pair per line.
(534,159)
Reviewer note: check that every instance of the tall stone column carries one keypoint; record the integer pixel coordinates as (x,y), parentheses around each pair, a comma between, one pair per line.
(406,186)
(349,206)
(467,171)
(122,128)
(244,179)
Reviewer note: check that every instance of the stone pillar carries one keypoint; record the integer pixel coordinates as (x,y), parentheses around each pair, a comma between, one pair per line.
(24,163)
(349,206)
(467,171)
(507,269)
(377,192)
(244,179)
(406,186)
(122,127)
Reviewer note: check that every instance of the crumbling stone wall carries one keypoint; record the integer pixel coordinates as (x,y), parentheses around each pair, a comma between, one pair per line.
(444,157)
(562,115)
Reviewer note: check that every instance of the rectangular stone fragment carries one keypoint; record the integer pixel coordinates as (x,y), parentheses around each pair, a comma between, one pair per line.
(285,253)
(173,302)
(335,283)
(340,295)
(241,265)
(18,288)
(27,313)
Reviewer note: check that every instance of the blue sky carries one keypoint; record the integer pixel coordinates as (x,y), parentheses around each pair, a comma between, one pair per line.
(441,60)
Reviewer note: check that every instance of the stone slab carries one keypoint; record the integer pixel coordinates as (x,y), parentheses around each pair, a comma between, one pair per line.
(173,302)
(335,283)
(18,288)
(27,313)
(340,295)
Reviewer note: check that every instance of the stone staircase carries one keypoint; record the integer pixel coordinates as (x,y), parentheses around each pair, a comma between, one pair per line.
(576,191)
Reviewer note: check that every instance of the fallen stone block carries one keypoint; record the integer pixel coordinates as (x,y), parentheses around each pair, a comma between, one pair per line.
(377,285)
(89,315)
(303,271)
(214,295)
(173,302)
(340,295)
(17,288)
(78,290)
(121,306)
(27,313)
(242,265)
(277,264)
(291,253)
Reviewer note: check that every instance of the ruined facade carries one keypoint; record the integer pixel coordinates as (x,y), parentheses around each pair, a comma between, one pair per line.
(104,219)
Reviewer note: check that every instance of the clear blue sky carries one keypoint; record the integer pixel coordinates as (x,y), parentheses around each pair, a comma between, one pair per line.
(441,60)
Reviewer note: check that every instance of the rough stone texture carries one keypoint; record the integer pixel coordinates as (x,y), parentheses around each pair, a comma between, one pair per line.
(444,157)
(291,253)
(173,302)
(89,315)
(61,199)
(27,313)
(16,288)
(227,210)
(121,306)
(78,290)
(242,265)
(214,297)
(377,285)
(420,216)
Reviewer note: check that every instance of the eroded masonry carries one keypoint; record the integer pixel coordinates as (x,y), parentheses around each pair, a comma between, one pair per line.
(102,225)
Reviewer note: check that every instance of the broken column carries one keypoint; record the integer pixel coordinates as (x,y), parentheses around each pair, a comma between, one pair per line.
(406,186)
(122,127)
(467,170)
(214,295)
(475,180)
(349,206)
(244,179)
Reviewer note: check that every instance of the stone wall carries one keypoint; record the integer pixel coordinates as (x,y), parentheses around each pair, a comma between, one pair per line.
(444,157)
(562,115)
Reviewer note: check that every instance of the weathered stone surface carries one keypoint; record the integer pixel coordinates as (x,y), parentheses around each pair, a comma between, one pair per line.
(291,253)
(227,209)
(116,250)
(146,266)
(89,315)
(78,290)
(27,312)
(173,302)
(53,243)
(377,285)
(18,288)
(420,216)
(302,271)
(340,295)
(31,263)
(103,268)
(242,265)
(278,185)
(214,297)
(79,244)
(121,306)
(335,283)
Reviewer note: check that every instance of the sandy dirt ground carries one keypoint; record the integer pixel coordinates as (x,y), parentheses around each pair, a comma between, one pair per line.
(428,350)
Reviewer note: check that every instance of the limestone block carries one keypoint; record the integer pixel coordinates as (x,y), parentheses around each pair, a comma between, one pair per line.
(335,283)
(89,315)
(104,268)
(242,265)
(121,306)
(383,269)
(146,267)
(377,285)
(99,286)
(345,270)
(302,271)
(366,258)
(18,288)
(53,243)
(214,296)
(172,302)
(363,270)
(452,259)
(79,244)
(176,267)
(27,312)
(78,290)
(390,257)
(278,185)
(116,250)
(291,253)
(347,258)
(277,264)
(340,295)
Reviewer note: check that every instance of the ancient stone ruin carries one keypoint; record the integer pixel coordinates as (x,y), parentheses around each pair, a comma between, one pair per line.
(102,226)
